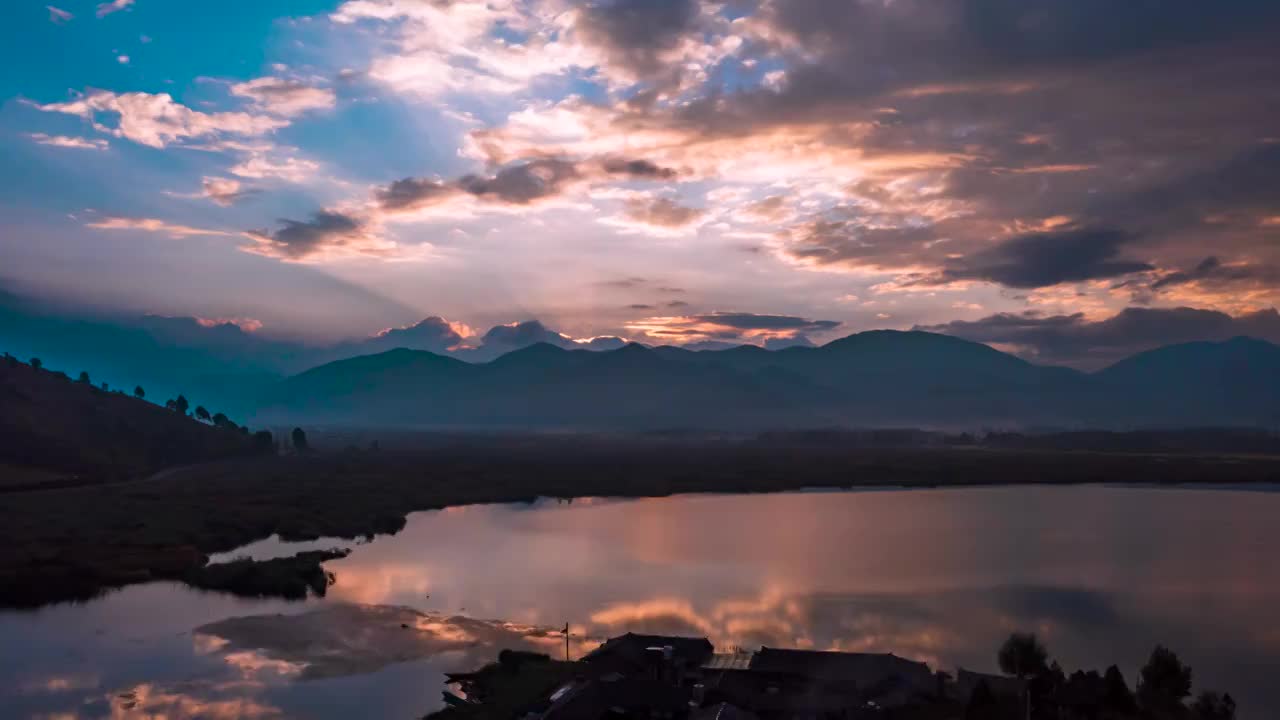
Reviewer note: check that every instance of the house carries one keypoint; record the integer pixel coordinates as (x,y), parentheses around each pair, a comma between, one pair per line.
(880,678)
(1000,685)
(673,658)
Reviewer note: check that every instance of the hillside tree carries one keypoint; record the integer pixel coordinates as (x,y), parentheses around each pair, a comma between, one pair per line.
(299,440)
(1023,656)
(1164,681)
(139,393)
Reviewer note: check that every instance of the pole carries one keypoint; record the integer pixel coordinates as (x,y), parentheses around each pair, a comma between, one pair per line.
(566,642)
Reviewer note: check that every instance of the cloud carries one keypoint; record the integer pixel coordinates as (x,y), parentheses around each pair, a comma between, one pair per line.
(908,138)
(782,343)
(152,225)
(519,183)
(58,16)
(523,183)
(156,120)
(122,59)
(434,334)
(1078,341)
(439,48)
(1049,258)
(637,168)
(623,283)
(284,97)
(504,338)
(328,234)
(524,333)
(107,8)
(246,324)
(271,165)
(773,207)
(66,141)
(728,326)
(413,194)
(224,191)
(637,36)
(1211,271)
(661,212)
(221,191)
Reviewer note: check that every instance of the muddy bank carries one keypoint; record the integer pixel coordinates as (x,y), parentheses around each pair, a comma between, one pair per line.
(292,578)
(71,543)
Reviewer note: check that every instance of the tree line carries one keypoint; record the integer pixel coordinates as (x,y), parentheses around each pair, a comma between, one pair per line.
(263,439)
(1162,693)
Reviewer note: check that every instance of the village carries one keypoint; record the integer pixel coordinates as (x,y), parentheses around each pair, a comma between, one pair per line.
(677,678)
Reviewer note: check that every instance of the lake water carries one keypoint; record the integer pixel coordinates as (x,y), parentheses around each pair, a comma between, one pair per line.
(1101,573)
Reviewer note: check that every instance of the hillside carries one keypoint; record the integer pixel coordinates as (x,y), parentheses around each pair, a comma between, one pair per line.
(1208,383)
(54,426)
(872,379)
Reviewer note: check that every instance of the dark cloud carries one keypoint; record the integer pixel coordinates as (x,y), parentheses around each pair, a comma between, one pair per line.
(523,183)
(753,321)
(828,239)
(639,169)
(662,212)
(1212,271)
(676,304)
(623,283)
(299,239)
(1077,341)
(1049,258)
(518,184)
(635,34)
(838,50)
(413,193)
(640,306)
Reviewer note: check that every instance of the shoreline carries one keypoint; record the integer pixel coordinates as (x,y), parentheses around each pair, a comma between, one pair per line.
(70,544)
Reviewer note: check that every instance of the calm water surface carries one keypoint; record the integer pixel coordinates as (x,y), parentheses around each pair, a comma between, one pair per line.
(1102,573)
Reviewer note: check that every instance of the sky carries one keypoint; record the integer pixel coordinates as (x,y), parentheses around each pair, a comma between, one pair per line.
(1040,175)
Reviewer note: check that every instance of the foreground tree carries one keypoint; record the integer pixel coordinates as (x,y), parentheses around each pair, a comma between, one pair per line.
(1212,706)
(1118,696)
(181,405)
(202,413)
(139,393)
(299,440)
(1164,681)
(263,442)
(1022,656)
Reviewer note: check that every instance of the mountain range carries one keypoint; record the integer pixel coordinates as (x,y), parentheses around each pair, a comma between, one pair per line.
(877,378)
(526,375)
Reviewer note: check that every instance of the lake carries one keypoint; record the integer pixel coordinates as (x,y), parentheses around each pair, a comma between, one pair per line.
(1102,573)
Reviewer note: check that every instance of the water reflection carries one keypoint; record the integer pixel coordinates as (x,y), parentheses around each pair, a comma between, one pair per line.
(1101,573)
